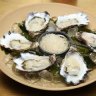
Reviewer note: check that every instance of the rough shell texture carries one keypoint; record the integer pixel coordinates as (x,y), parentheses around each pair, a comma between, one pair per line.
(73,67)
(71,20)
(33,62)
(39,19)
(9,37)
(88,38)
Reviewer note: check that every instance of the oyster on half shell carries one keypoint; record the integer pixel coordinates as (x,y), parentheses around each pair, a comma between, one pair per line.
(31,63)
(54,43)
(88,38)
(71,20)
(37,21)
(73,67)
(15,41)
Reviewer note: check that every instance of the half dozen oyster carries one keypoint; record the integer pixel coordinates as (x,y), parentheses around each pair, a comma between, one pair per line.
(43,39)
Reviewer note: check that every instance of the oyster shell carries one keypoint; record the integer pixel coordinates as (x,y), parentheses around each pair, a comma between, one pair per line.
(15,28)
(71,20)
(31,63)
(54,43)
(73,67)
(15,41)
(88,38)
(93,57)
(37,21)
(51,27)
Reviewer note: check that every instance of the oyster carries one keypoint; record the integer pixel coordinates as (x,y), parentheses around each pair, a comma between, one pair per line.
(37,21)
(73,67)
(31,63)
(71,20)
(54,43)
(51,27)
(15,41)
(88,38)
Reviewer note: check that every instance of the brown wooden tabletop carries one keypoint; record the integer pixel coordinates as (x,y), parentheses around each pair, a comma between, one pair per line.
(8,87)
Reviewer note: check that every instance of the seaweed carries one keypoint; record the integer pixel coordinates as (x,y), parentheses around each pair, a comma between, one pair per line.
(54,69)
(84,28)
(83,50)
(89,62)
(81,47)
(25,33)
(11,52)
(75,41)
(6,50)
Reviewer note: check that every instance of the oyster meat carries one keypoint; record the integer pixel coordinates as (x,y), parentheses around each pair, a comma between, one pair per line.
(31,63)
(71,20)
(15,41)
(37,21)
(73,67)
(88,38)
(54,43)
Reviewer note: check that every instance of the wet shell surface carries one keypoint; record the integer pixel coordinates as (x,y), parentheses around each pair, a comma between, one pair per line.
(73,67)
(54,43)
(71,20)
(15,41)
(47,47)
(37,21)
(88,38)
(31,63)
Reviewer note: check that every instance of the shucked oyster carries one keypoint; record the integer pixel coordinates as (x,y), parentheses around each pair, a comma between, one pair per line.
(30,63)
(73,67)
(71,20)
(88,38)
(15,41)
(37,21)
(54,43)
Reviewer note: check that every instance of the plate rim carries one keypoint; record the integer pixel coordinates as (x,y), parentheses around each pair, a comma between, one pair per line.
(37,87)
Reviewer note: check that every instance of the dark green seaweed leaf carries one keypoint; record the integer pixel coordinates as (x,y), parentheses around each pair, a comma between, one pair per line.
(54,69)
(24,31)
(6,51)
(83,50)
(89,62)
(86,29)
(75,41)
(80,46)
